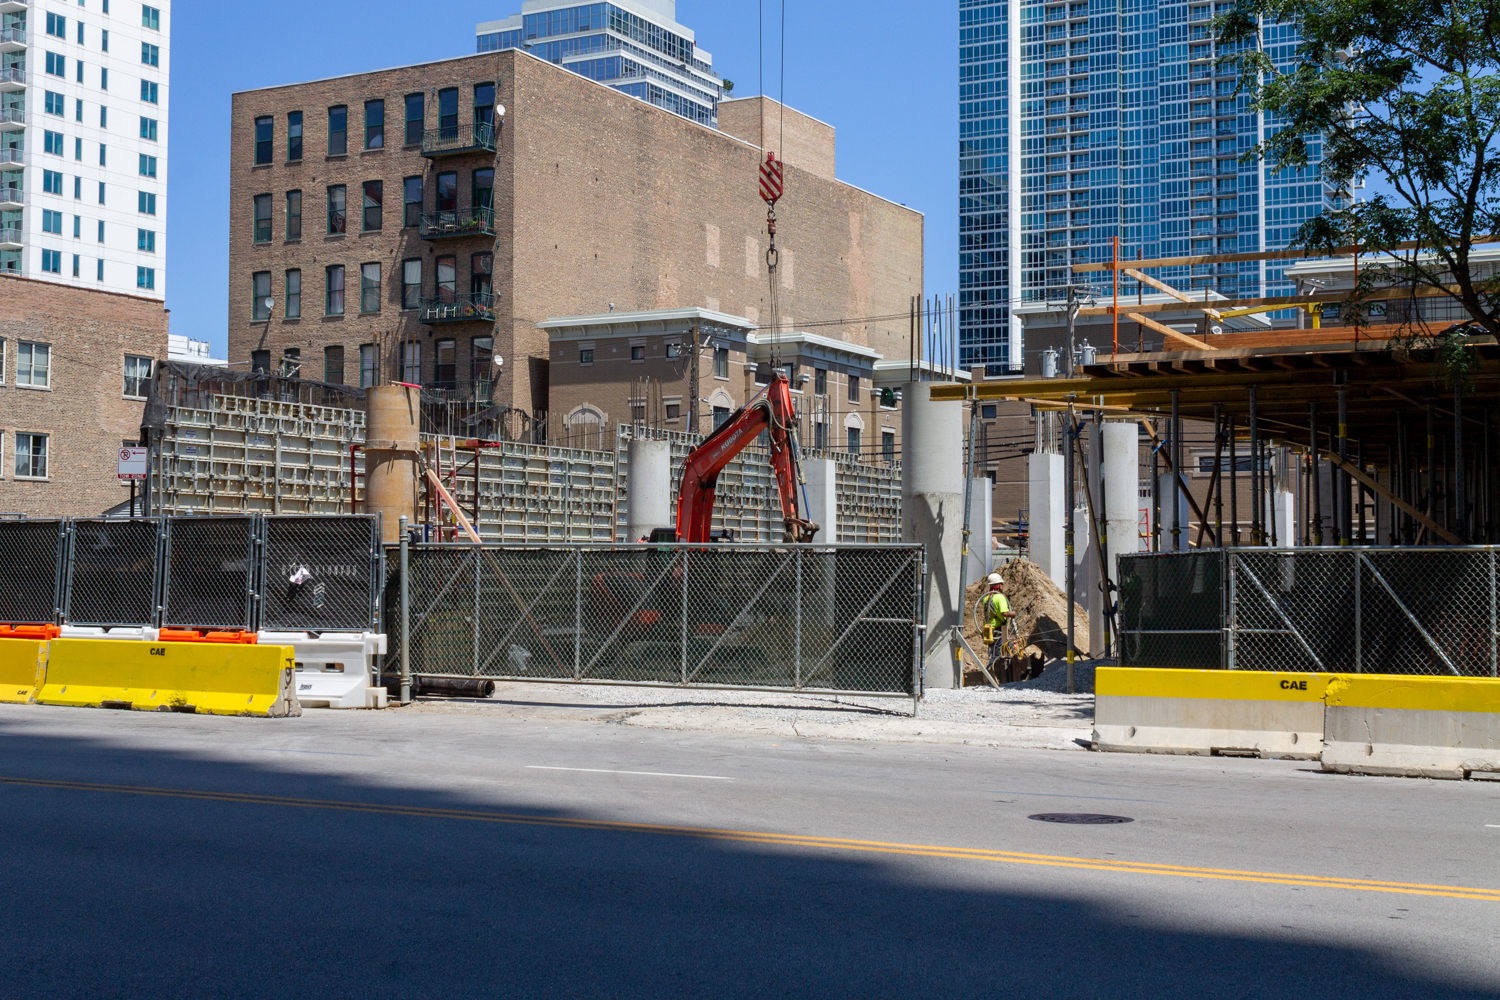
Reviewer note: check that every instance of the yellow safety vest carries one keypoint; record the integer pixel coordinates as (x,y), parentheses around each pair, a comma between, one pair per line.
(997,606)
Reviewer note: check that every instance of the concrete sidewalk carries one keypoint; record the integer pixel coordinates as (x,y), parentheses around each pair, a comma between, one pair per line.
(1029,715)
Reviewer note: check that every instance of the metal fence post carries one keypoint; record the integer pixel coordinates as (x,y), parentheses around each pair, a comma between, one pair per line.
(1494,623)
(684,614)
(578,615)
(797,627)
(1233,617)
(62,572)
(475,620)
(1359,574)
(405,615)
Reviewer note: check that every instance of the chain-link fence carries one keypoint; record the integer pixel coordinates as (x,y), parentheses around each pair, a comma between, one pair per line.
(29,571)
(320,573)
(283,573)
(111,572)
(789,617)
(1427,610)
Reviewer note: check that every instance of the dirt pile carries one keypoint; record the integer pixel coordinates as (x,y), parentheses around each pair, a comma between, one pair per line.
(1041,610)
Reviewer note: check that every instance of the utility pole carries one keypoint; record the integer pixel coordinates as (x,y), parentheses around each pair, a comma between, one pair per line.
(1068,499)
(1073,306)
(693,382)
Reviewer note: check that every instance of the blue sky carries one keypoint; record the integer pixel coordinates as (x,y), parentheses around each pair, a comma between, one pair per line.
(885,75)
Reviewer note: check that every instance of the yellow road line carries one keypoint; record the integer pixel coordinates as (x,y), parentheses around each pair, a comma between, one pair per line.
(788,840)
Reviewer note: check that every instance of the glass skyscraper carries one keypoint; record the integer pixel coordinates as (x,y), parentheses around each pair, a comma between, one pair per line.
(1129,130)
(639,50)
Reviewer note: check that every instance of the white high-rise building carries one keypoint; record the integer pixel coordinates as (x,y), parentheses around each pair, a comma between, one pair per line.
(83,142)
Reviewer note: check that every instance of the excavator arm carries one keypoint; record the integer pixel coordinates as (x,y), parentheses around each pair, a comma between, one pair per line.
(770,410)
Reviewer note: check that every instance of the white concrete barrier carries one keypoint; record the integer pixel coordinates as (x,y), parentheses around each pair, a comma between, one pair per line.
(1430,727)
(334,669)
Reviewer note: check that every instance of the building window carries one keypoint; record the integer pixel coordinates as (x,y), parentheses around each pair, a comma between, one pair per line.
(52,222)
(262,218)
(293,136)
(103,154)
(148,166)
(265,134)
(101,231)
(293,308)
(374,124)
(367,365)
(334,283)
(137,374)
(820,435)
(721,362)
(411,362)
(77,260)
(369,288)
(414,115)
(333,365)
(484,190)
(336,206)
(78,110)
(294,215)
(148,128)
(260,291)
(145,239)
(103,40)
(412,197)
(260,362)
(149,94)
(52,261)
(77,233)
(888,445)
(57,26)
(638,353)
(481,360)
(447,279)
(52,182)
(444,364)
(447,193)
(448,113)
(484,104)
(480,278)
(103,116)
(853,388)
(411,283)
(676,349)
(820,381)
(57,65)
(338,130)
(150,54)
(150,18)
(674,411)
(101,198)
(374,199)
(31,456)
(291,363)
(720,414)
(78,149)
(52,142)
(100,275)
(33,364)
(54,104)
(585,355)
(987,411)
(853,440)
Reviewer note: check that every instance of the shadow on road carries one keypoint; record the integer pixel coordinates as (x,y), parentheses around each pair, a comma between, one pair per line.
(105,894)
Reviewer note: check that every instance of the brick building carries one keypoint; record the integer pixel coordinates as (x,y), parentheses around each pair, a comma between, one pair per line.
(408,227)
(73,369)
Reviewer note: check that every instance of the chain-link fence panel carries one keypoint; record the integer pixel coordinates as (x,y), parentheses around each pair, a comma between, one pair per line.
(1172,610)
(746,616)
(319,573)
(1291,610)
(112,572)
(1426,612)
(31,571)
(210,572)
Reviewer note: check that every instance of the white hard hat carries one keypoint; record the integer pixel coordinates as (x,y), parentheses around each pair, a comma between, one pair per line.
(994,579)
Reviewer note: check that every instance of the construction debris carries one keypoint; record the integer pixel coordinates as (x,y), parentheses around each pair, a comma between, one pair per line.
(1041,610)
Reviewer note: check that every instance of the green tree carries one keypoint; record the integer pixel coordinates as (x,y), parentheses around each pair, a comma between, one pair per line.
(1406,91)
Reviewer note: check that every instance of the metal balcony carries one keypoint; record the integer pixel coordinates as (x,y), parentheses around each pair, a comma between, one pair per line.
(12,78)
(10,238)
(10,194)
(457,139)
(469,222)
(7,6)
(12,118)
(456,308)
(12,39)
(12,157)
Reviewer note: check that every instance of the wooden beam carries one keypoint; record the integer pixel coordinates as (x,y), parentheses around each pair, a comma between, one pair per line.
(1167,331)
(1282,301)
(1332,458)
(458,513)
(1162,286)
(1233,258)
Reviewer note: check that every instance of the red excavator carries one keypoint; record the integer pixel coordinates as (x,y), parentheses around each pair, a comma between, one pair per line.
(771,411)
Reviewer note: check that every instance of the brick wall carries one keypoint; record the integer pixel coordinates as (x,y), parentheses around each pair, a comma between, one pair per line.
(804,141)
(599,199)
(83,411)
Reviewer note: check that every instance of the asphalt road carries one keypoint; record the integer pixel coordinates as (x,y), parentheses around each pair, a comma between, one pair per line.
(404,855)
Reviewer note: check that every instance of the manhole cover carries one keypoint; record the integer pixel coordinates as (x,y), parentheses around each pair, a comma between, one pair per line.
(1085,818)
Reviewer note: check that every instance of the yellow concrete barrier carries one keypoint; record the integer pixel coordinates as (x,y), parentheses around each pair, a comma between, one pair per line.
(213,678)
(23,666)
(1235,712)
(1434,727)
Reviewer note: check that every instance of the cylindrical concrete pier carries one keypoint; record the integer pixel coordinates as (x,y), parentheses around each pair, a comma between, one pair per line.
(648,488)
(1122,486)
(393,422)
(932,513)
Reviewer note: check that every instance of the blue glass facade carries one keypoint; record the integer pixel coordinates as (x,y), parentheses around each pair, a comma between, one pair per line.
(618,47)
(1130,131)
(984,185)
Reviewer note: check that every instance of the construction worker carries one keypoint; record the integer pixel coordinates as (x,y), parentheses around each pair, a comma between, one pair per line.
(997,616)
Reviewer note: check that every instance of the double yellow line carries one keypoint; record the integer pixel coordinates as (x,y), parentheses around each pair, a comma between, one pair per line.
(786,840)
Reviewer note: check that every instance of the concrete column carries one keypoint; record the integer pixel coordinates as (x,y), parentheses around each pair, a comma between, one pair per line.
(1181,514)
(822,498)
(393,422)
(648,488)
(932,513)
(1046,513)
(1122,487)
(981,523)
(1284,516)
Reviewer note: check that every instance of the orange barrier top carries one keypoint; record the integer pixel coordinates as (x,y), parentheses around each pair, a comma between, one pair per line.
(29,631)
(197,635)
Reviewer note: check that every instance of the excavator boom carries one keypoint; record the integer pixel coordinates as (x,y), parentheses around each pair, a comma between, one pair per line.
(771,411)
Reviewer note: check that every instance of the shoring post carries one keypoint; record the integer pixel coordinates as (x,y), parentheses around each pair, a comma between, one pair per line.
(405,614)
(1317,486)
(1460,499)
(1341,493)
(1431,461)
(1174,456)
(1234,478)
(1218,479)
(1257,496)
(1071,583)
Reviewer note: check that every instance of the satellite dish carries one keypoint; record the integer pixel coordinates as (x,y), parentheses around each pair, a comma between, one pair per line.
(499,361)
(1216,330)
(269,303)
(500,108)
